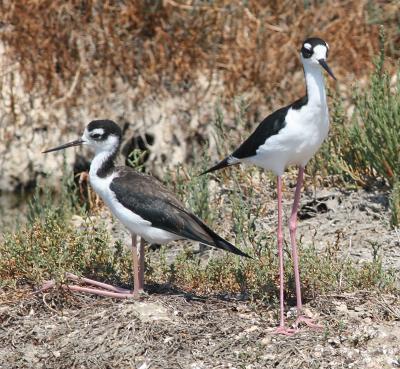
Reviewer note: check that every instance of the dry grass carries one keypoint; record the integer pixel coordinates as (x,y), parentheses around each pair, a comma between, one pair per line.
(162,46)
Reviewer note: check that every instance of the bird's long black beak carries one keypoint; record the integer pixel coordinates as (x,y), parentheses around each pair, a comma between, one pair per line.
(324,65)
(69,144)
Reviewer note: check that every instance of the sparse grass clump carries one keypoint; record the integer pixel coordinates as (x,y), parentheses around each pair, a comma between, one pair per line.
(56,240)
(375,139)
(367,149)
(322,272)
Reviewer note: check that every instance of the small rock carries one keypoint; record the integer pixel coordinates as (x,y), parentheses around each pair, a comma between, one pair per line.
(269,357)
(168,339)
(149,311)
(266,341)
(144,366)
(308,313)
(342,308)
(252,329)
(335,342)
(318,350)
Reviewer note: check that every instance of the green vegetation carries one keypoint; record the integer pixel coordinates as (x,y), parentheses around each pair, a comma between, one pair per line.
(322,272)
(367,149)
(60,237)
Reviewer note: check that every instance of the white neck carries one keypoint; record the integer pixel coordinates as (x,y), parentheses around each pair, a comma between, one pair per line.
(315,85)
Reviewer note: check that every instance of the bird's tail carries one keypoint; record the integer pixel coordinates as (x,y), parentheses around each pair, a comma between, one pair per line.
(228,161)
(222,244)
(195,229)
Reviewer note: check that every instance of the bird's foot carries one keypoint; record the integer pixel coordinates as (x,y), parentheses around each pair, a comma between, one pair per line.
(286,331)
(301,319)
(140,294)
(101,289)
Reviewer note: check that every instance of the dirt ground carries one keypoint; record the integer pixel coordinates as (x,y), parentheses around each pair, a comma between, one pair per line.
(171,329)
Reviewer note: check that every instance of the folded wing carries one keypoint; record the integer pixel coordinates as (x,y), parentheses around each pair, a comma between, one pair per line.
(146,196)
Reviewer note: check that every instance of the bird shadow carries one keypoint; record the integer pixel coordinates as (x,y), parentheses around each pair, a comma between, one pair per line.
(166,289)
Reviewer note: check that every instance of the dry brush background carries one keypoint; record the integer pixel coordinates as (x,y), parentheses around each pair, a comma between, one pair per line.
(160,67)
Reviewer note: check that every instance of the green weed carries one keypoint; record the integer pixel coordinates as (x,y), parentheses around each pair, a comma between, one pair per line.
(50,243)
(367,149)
(322,272)
(136,159)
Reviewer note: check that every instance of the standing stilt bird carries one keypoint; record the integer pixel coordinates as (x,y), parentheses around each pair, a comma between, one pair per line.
(140,202)
(291,136)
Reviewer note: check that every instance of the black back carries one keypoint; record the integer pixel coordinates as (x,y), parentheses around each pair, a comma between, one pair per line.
(269,127)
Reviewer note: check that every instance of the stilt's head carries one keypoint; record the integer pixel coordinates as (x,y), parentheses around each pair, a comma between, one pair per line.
(314,51)
(101,135)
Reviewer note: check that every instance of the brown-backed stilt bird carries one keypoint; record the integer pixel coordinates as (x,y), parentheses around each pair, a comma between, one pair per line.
(142,204)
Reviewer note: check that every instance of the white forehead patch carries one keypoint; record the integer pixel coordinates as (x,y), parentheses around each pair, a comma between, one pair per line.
(307,46)
(98,131)
(320,52)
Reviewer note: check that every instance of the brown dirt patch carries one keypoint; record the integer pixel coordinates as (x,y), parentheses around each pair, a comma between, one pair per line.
(186,331)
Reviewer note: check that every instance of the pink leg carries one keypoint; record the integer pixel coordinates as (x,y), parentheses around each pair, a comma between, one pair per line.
(92,282)
(138,267)
(141,265)
(295,256)
(281,329)
(106,289)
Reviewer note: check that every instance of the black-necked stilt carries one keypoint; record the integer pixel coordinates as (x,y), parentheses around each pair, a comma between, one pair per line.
(291,136)
(140,202)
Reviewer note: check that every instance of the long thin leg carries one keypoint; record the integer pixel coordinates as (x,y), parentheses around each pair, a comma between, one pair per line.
(92,282)
(106,289)
(295,256)
(281,329)
(292,229)
(141,266)
(135,258)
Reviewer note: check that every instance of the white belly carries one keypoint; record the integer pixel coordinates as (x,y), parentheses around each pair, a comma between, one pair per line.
(135,223)
(296,143)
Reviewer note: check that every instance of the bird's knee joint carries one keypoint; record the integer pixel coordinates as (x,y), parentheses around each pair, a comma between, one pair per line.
(292,226)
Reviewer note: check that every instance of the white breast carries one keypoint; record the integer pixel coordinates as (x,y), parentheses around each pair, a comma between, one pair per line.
(297,142)
(135,223)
